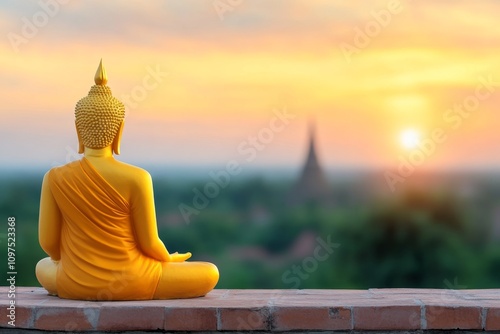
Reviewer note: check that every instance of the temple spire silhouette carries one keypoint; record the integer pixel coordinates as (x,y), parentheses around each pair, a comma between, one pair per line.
(312,185)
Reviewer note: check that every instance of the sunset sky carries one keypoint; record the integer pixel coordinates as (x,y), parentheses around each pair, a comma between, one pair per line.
(200,78)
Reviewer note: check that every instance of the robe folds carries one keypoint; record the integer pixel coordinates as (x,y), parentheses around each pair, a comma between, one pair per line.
(100,258)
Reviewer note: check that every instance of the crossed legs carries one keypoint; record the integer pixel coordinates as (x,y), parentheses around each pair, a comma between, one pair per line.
(186,280)
(46,272)
(178,279)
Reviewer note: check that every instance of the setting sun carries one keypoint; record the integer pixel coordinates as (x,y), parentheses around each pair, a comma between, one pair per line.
(410,138)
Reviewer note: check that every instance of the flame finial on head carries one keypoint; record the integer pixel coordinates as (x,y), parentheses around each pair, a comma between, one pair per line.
(101,78)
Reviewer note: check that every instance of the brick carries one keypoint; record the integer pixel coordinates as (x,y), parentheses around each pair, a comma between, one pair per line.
(451,317)
(311,318)
(23,316)
(263,292)
(239,319)
(481,293)
(4,312)
(237,304)
(130,316)
(35,295)
(493,318)
(62,318)
(26,301)
(404,291)
(264,310)
(402,317)
(190,319)
(217,293)
(332,294)
(31,289)
(447,298)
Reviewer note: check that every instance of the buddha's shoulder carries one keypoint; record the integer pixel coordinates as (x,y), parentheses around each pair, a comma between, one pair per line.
(62,169)
(133,172)
(136,178)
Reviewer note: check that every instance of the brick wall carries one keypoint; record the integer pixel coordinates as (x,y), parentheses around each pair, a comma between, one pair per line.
(264,310)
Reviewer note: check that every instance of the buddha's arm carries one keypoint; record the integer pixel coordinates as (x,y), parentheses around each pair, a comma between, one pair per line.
(49,225)
(144,220)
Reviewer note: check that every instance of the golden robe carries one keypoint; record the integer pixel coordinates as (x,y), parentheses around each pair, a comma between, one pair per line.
(100,259)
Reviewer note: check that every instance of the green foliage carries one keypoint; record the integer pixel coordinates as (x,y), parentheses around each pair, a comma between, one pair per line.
(418,239)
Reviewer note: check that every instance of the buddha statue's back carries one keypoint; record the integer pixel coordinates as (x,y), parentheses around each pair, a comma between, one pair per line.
(98,224)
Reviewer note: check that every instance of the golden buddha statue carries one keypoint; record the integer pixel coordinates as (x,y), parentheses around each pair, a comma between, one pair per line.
(98,224)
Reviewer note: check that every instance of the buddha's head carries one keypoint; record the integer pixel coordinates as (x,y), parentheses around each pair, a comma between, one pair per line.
(99,116)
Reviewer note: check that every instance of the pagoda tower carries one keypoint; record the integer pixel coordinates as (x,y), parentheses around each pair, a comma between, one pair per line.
(312,186)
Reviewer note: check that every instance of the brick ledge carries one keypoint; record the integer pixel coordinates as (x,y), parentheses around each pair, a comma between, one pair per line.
(264,311)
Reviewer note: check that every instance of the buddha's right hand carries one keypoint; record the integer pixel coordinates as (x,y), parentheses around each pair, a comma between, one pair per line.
(179,257)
